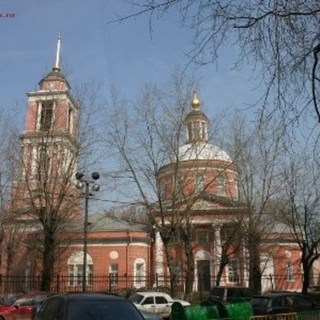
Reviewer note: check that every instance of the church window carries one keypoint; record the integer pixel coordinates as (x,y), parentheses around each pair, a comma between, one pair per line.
(75,270)
(113,270)
(178,272)
(43,162)
(197,132)
(199,182)
(203,130)
(230,233)
(139,272)
(220,186)
(46,115)
(179,186)
(202,236)
(290,275)
(162,190)
(233,271)
(70,120)
(190,131)
(236,188)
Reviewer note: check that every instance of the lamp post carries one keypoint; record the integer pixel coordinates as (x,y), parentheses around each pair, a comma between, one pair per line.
(83,182)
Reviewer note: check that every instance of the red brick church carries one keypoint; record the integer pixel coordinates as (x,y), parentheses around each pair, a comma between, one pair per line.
(132,255)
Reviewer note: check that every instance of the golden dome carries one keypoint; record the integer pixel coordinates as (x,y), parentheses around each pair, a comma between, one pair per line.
(195,102)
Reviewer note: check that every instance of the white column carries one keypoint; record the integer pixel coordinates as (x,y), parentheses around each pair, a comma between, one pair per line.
(158,263)
(217,248)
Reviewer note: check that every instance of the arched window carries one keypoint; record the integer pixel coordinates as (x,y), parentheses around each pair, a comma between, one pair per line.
(75,269)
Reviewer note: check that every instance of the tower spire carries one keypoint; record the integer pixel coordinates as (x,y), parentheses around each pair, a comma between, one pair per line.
(56,66)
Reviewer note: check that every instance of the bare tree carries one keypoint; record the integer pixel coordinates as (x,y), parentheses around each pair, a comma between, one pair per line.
(259,152)
(146,137)
(45,202)
(9,230)
(279,39)
(301,210)
(231,243)
(143,136)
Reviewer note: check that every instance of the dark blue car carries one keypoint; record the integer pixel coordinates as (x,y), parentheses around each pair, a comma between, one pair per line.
(282,303)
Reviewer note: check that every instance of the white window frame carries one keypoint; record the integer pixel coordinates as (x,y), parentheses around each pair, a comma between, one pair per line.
(139,274)
(75,269)
(233,271)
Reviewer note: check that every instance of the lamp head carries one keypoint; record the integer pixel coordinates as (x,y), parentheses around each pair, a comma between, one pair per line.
(95,175)
(79,175)
(79,185)
(95,187)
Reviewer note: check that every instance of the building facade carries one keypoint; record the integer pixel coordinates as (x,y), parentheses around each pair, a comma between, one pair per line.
(202,181)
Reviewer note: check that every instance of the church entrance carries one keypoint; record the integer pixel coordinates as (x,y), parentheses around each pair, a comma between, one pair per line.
(204,276)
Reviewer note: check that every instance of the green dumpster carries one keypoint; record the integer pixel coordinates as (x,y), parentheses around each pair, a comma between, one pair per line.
(205,311)
(239,309)
(211,310)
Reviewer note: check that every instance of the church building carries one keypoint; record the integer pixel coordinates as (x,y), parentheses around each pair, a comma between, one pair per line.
(124,255)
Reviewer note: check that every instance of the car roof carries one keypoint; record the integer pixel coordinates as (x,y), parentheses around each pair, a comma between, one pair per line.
(152,293)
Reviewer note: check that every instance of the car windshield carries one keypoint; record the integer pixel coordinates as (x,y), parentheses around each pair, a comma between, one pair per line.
(103,310)
(136,298)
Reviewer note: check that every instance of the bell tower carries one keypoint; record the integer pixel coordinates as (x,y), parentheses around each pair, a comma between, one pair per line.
(49,147)
(51,109)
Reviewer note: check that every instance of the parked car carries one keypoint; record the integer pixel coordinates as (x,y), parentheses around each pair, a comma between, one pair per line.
(87,306)
(227,294)
(21,306)
(282,303)
(157,302)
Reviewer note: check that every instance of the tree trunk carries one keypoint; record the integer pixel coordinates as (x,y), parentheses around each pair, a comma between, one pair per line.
(189,270)
(306,276)
(172,270)
(254,264)
(48,261)
(220,273)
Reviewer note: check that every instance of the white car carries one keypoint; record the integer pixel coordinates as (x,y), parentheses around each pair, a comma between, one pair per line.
(157,302)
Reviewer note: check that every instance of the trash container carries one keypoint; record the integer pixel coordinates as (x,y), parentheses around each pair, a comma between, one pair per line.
(239,309)
(208,310)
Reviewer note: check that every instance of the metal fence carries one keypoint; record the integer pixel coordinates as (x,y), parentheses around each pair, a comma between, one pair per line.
(106,283)
(306,315)
(116,283)
(281,316)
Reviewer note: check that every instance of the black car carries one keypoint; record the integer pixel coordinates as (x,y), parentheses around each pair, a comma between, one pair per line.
(87,306)
(227,294)
(282,303)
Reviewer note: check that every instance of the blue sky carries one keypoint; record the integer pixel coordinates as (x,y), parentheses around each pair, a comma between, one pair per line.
(125,55)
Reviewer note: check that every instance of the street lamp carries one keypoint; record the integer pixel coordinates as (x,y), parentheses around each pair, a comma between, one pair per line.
(83,182)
